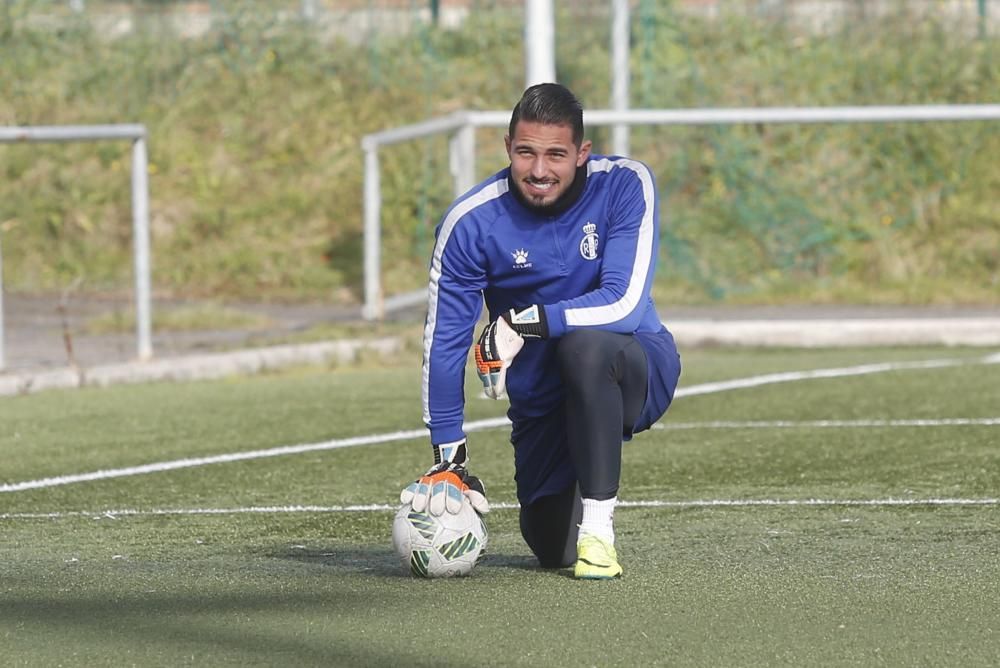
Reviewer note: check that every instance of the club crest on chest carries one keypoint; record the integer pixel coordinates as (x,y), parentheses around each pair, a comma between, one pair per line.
(588,245)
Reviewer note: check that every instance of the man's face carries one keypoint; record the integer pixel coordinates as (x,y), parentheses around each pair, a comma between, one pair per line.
(543,160)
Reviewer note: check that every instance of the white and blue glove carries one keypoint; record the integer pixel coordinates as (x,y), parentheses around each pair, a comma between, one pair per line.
(501,341)
(443,487)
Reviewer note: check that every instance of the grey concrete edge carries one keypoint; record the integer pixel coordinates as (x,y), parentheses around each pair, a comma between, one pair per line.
(804,333)
(839,333)
(196,367)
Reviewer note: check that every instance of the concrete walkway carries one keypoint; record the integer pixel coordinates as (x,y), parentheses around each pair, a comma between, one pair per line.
(837,326)
(46,345)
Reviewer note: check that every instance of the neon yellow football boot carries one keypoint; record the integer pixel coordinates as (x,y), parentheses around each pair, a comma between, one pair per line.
(596,559)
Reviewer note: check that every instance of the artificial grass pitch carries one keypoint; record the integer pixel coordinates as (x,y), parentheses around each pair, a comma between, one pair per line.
(845,544)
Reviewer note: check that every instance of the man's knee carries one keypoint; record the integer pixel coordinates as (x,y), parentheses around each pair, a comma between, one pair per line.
(550,556)
(549,527)
(585,354)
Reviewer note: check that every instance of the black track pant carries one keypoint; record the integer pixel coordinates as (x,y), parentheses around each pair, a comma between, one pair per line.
(605,376)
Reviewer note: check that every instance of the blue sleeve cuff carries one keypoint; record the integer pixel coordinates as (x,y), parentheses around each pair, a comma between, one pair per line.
(447,435)
(554,318)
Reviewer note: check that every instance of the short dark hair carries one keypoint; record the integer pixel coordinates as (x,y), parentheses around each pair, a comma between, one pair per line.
(549,104)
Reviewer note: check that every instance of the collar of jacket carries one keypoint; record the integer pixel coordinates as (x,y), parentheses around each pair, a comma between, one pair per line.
(561,205)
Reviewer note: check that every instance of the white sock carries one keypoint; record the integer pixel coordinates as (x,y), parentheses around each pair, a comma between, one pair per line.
(599,518)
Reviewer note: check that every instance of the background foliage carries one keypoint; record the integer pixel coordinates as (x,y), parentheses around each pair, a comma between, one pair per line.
(255,123)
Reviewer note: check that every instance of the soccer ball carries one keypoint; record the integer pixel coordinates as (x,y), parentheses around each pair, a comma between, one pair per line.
(439,546)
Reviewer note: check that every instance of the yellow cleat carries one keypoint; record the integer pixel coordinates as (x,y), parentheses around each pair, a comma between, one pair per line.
(596,559)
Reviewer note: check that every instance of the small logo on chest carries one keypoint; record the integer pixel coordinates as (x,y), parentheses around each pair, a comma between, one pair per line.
(521,259)
(588,245)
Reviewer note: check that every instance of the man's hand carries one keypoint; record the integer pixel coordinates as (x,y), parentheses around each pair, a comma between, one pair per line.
(495,350)
(441,489)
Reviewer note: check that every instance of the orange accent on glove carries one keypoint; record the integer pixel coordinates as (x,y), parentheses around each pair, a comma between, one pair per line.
(484,366)
(444,476)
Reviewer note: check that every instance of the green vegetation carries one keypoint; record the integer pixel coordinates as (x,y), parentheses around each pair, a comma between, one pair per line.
(256,168)
(744,585)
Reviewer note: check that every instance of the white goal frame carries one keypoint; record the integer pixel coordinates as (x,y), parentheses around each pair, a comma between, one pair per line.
(461,127)
(140,211)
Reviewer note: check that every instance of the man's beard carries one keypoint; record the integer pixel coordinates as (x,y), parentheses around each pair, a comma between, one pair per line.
(540,200)
(551,206)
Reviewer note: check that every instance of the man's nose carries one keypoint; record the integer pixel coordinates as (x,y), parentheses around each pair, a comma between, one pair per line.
(539,168)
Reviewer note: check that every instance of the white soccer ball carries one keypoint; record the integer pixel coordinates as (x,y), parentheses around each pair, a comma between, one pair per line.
(439,546)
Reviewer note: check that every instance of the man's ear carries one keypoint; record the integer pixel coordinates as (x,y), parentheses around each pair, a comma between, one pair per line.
(506,142)
(581,155)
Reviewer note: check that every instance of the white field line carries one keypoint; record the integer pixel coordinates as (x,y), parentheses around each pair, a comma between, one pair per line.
(860,370)
(839,424)
(382,507)
(479,425)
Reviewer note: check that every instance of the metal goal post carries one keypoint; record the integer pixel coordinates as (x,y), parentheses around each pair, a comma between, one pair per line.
(140,210)
(461,126)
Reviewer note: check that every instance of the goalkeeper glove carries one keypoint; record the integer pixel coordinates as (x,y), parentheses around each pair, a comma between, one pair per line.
(497,346)
(501,340)
(529,322)
(441,489)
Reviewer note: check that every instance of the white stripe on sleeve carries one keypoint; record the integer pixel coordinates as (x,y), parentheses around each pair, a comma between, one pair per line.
(487,194)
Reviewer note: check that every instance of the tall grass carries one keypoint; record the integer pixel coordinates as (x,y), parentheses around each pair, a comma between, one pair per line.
(256,170)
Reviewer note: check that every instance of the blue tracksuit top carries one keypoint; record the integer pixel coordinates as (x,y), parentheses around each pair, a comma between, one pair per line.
(590,266)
